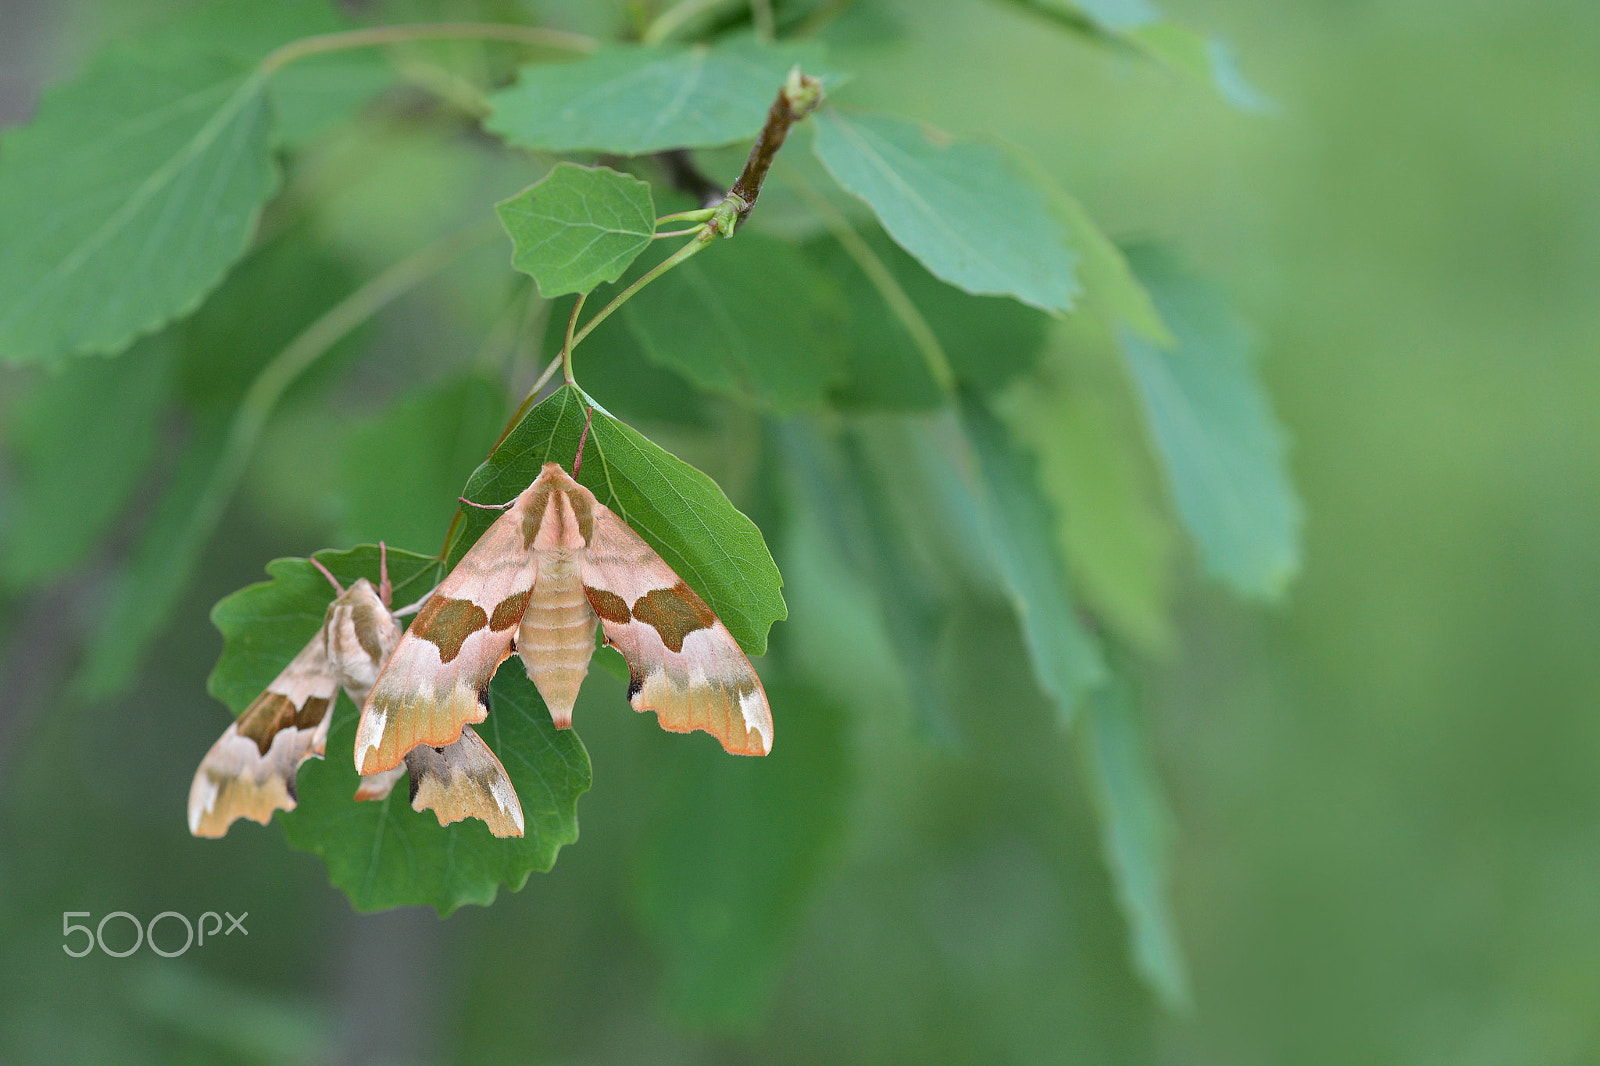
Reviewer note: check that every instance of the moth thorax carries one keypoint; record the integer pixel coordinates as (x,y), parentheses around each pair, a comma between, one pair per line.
(556,636)
(360,638)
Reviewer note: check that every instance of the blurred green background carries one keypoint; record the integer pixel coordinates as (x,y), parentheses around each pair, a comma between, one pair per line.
(1386,790)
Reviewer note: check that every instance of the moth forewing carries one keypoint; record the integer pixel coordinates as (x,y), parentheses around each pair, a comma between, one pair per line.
(683,663)
(250,771)
(438,678)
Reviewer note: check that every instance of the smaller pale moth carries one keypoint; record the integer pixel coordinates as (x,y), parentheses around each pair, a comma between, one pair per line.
(250,771)
(536,583)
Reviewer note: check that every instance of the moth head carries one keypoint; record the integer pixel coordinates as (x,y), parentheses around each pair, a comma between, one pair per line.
(553,507)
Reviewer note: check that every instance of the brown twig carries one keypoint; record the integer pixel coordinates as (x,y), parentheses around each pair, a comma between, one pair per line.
(800,95)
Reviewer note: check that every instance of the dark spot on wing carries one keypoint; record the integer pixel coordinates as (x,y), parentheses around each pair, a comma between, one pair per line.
(608,605)
(635,682)
(267,713)
(674,613)
(508,612)
(448,624)
(311,713)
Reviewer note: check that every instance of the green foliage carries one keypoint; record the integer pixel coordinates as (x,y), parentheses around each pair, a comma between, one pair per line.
(70,486)
(931,385)
(754,319)
(722,927)
(1137,830)
(633,100)
(578,227)
(959,208)
(403,469)
(1222,450)
(1065,657)
(98,197)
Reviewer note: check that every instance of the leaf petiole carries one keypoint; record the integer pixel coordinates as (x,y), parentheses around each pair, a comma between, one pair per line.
(700,214)
(377,36)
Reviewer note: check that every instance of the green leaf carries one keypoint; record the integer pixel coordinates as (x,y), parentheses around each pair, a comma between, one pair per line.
(80,442)
(1022,529)
(578,227)
(308,95)
(1108,281)
(1220,446)
(960,208)
(403,469)
(721,926)
(384,854)
(1136,831)
(633,100)
(1203,58)
(616,369)
(136,186)
(136,604)
(754,319)
(987,340)
(1081,422)
(679,511)
(1139,25)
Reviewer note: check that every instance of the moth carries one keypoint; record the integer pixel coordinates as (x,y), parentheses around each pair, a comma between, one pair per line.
(250,771)
(536,583)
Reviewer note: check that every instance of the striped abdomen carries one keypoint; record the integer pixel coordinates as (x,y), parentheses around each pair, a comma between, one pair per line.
(556,637)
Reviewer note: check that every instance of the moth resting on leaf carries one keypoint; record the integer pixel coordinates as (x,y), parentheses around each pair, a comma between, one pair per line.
(250,771)
(535,583)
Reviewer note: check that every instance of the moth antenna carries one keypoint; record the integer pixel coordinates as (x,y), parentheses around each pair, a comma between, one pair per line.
(577,460)
(338,588)
(487,506)
(385,590)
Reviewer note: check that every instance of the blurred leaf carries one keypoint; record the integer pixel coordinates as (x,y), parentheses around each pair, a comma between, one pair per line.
(578,227)
(1212,423)
(135,609)
(80,442)
(751,318)
(731,860)
(679,511)
(618,374)
(960,209)
(1137,831)
(1079,419)
(1108,282)
(1203,58)
(124,201)
(1139,25)
(403,469)
(308,95)
(1066,657)
(988,340)
(384,854)
(633,100)
(843,483)
(274,293)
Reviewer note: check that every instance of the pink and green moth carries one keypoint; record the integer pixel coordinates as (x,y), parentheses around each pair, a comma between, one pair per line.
(535,584)
(250,771)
